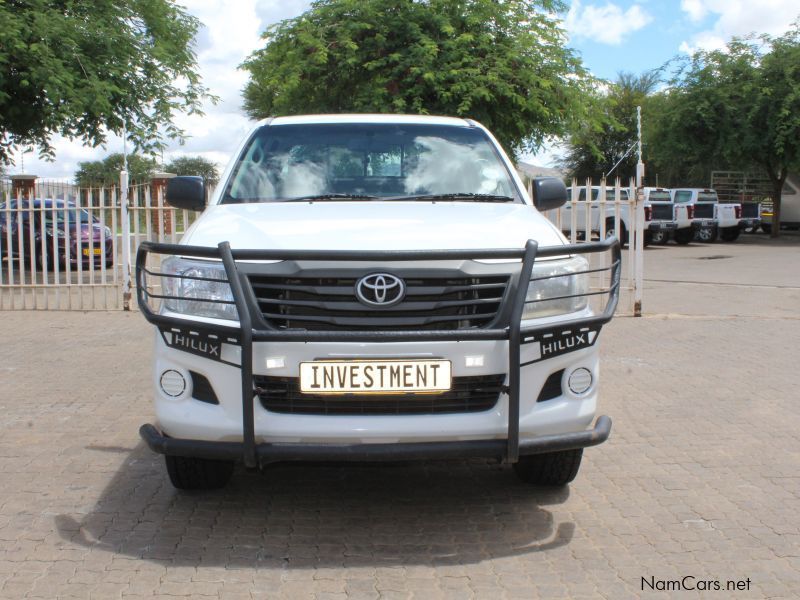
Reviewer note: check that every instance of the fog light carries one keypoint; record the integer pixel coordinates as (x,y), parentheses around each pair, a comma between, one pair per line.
(172,383)
(580,380)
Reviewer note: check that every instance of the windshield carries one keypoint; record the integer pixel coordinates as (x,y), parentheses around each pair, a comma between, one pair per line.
(366,161)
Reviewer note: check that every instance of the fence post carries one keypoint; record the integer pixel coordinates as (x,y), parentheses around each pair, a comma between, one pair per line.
(162,216)
(126,240)
(638,251)
(23,186)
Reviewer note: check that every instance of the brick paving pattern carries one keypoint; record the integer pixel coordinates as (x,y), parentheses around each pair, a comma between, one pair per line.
(701,476)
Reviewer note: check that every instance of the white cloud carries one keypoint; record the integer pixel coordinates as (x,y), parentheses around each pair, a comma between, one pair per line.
(695,9)
(607,24)
(231,32)
(737,18)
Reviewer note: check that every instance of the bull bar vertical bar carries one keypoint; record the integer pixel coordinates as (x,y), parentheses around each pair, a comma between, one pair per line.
(246,327)
(512,452)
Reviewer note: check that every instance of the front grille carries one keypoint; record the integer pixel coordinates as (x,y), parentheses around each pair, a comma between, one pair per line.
(704,210)
(330,303)
(662,212)
(468,395)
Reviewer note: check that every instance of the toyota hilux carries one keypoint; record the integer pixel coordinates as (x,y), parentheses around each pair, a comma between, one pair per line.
(374,287)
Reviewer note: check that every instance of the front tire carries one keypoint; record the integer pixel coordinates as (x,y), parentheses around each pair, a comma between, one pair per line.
(190,473)
(551,469)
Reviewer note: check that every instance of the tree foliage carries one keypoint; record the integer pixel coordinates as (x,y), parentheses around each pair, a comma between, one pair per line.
(105,172)
(82,68)
(194,165)
(501,63)
(737,107)
(594,148)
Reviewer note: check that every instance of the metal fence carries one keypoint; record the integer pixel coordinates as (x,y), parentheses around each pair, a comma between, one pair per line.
(70,248)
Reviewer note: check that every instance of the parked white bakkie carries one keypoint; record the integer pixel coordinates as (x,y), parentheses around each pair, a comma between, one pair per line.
(667,219)
(373,287)
(711,217)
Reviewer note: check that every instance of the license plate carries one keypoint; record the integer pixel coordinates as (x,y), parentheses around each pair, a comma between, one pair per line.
(96,251)
(375,376)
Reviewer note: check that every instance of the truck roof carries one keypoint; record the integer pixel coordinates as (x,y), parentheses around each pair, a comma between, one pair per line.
(369,118)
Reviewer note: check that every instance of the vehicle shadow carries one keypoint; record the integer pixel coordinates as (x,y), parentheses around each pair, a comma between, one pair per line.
(322,515)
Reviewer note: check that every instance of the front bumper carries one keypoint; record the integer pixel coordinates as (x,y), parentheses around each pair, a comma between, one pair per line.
(269,453)
(550,339)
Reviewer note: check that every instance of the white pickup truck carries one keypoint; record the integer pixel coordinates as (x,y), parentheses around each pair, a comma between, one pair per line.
(667,219)
(710,216)
(373,287)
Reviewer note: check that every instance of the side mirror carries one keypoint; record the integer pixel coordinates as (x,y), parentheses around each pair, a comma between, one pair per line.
(549,193)
(188,192)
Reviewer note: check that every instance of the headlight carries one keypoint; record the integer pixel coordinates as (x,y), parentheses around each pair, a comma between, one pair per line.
(59,233)
(199,288)
(551,282)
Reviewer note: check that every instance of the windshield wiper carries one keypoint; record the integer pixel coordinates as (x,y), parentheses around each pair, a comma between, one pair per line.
(330,197)
(228,199)
(464,196)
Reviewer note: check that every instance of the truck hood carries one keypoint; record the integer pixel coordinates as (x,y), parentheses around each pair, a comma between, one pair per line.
(372,225)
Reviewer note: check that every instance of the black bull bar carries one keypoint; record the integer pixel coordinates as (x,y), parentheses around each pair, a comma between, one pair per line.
(253,328)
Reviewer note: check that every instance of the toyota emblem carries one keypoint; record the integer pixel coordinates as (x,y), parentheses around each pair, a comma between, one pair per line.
(380,290)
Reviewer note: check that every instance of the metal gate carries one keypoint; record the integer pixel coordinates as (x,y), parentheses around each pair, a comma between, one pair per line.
(70,248)
(597,210)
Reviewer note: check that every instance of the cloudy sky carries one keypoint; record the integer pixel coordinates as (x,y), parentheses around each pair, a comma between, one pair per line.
(610,36)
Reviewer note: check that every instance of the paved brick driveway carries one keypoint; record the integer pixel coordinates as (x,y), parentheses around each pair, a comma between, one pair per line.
(701,477)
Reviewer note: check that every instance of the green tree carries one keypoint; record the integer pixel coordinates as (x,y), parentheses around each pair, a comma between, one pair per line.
(502,63)
(594,148)
(99,173)
(737,108)
(83,68)
(194,165)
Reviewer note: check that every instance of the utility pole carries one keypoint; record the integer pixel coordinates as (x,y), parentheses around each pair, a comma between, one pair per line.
(125,222)
(638,247)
